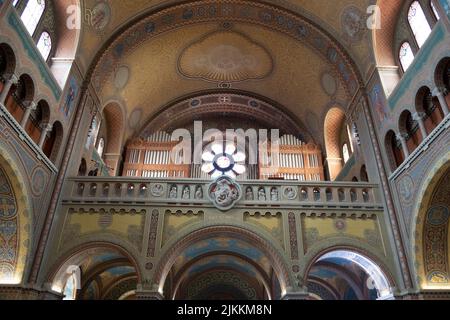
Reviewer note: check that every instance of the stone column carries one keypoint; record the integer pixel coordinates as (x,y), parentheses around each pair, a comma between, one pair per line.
(402,138)
(10,81)
(29,106)
(46,128)
(419,116)
(440,94)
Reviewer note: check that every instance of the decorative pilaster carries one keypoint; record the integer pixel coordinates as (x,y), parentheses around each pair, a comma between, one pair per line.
(10,81)
(29,106)
(402,138)
(419,116)
(46,128)
(440,94)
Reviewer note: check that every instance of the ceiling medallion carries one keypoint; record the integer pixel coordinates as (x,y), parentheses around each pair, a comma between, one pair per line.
(224,193)
(353,24)
(225,57)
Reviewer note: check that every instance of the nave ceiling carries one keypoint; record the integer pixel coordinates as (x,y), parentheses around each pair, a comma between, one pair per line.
(178,58)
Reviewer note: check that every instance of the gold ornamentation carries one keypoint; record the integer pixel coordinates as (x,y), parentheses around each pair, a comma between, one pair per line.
(225,56)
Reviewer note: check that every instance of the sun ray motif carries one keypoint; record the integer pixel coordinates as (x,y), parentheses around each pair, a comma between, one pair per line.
(223,159)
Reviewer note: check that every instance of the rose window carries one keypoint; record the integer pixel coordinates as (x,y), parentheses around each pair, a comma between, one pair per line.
(221,159)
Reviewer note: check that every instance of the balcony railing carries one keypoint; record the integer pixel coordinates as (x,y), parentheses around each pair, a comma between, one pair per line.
(23,135)
(191,192)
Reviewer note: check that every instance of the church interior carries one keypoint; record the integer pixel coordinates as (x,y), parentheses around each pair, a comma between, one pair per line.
(224,150)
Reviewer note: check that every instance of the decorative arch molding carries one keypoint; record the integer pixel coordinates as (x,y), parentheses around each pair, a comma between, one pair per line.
(84,244)
(319,289)
(120,287)
(421,226)
(15,221)
(183,272)
(176,246)
(232,102)
(382,38)
(226,276)
(347,276)
(160,20)
(317,252)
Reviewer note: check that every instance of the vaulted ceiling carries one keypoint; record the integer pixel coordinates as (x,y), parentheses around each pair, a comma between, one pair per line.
(306,55)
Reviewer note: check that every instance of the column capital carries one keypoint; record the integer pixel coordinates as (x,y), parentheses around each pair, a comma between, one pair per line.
(402,136)
(46,127)
(439,91)
(419,116)
(30,105)
(12,78)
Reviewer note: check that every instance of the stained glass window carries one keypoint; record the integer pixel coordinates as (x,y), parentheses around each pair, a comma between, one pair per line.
(223,159)
(32,14)
(406,56)
(418,22)
(44,45)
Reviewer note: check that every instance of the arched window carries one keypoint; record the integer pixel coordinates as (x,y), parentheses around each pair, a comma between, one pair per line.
(70,288)
(101,147)
(72,283)
(435,12)
(32,14)
(406,56)
(350,138)
(345,152)
(92,134)
(44,45)
(418,23)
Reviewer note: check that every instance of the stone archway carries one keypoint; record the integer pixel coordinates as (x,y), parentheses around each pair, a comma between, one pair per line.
(103,271)
(223,242)
(347,274)
(432,241)
(15,223)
